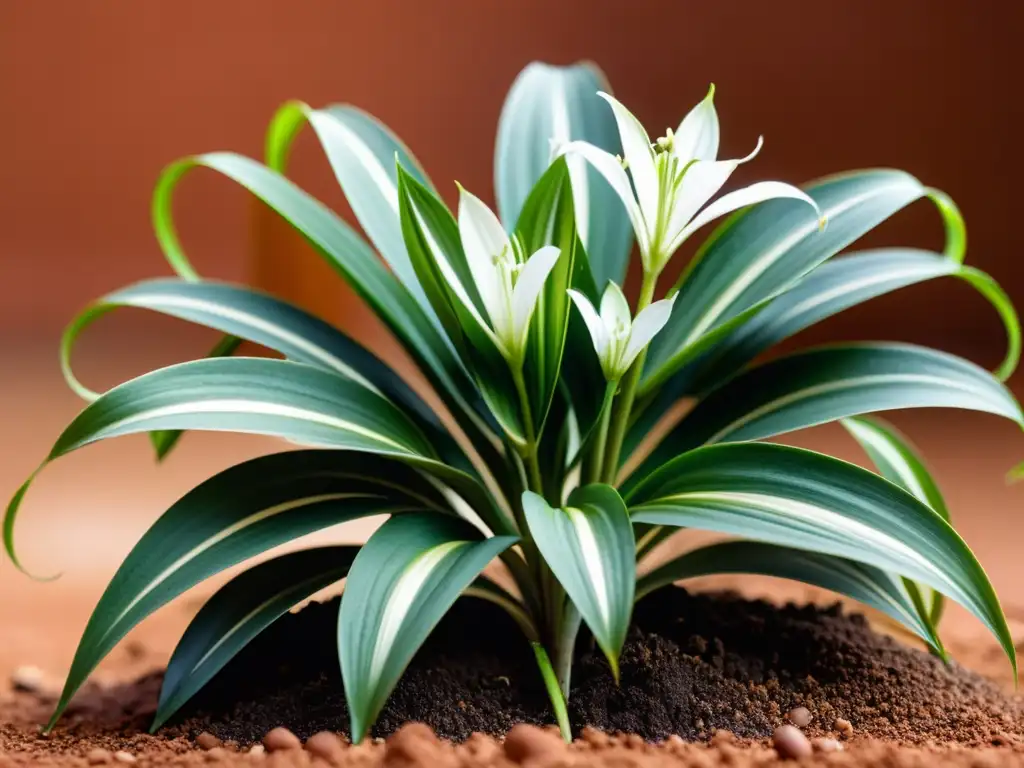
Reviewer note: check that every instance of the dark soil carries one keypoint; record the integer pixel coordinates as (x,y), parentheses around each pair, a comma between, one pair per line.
(692,664)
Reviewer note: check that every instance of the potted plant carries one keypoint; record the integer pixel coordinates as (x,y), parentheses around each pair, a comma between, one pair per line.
(557,449)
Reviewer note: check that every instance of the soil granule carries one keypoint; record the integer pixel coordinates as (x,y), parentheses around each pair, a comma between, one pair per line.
(693,665)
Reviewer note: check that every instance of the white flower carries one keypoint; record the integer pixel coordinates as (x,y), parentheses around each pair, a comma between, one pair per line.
(509,282)
(674,178)
(617,338)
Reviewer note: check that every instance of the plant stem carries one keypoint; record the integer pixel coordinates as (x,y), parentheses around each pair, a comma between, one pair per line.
(596,458)
(529,453)
(554,692)
(624,401)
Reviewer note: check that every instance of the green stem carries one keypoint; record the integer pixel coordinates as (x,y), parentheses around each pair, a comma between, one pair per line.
(624,401)
(596,458)
(529,453)
(554,692)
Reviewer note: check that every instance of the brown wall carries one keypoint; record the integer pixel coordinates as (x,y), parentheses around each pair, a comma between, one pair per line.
(98,95)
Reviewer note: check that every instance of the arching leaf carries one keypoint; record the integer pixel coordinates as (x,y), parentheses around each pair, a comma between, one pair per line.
(402,582)
(238,612)
(797,498)
(864,583)
(546,107)
(589,547)
(235,515)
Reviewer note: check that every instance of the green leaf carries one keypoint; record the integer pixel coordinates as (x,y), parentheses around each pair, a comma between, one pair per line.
(801,499)
(589,546)
(581,368)
(547,219)
(864,583)
(237,514)
(261,319)
(553,105)
(829,289)
(164,440)
(402,582)
(898,462)
(259,396)
(277,325)
(828,383)
(362,152)
(435,247)
(841,283)
(761,250)
(349,254)
(255,395)
(238,612)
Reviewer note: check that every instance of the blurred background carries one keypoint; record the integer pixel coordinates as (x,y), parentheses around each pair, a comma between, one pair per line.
(99,96)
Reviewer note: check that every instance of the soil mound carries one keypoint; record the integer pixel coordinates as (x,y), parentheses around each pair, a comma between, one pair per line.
(694,663)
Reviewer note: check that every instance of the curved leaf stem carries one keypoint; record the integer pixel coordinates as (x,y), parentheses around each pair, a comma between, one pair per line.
(623,404)
(595,461)
(529,452)
(554,692)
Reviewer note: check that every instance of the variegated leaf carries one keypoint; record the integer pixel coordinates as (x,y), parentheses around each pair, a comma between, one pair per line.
(235,515)
(589,546)
(402,582)
(801,499)
(238,612)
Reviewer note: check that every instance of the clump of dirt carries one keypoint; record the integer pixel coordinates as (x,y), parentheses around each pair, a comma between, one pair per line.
(692,664)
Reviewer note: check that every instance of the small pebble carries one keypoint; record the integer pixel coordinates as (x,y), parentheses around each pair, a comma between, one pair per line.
(800,717)
(790,742)
(482,747)
(207,740)
(325,745)
(28,679)
(845,728)
(411,740)
(98,756)
(528,742)
(722,736)
(124,757)
(257,751)
(595,737)
(134,650)
(827,745)
(280,739)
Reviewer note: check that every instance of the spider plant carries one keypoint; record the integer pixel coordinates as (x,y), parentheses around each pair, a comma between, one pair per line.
(558,456)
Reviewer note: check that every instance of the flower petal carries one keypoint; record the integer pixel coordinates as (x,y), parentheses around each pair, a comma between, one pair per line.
(483,238)
(614,307)
(608,166)
(598,333)
(741,198)
(697,136)
(448,273)
(701,182)
(646,325)
(528,288)
(636,147)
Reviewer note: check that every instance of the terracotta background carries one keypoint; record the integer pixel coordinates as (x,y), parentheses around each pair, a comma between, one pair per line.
(96,97)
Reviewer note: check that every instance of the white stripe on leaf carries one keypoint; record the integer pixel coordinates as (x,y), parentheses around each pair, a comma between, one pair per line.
(248,407)
(404,591)
(224,533)
(245,318)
